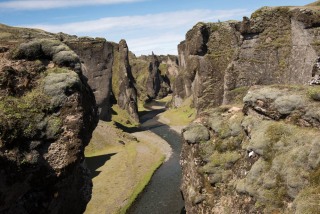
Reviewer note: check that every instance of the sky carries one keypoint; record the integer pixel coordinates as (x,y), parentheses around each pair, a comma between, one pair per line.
(146,25)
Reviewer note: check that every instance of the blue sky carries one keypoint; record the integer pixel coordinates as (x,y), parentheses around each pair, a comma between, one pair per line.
(147,25)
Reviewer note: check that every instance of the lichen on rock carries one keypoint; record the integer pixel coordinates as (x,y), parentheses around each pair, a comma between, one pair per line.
(258,160)
(47,115)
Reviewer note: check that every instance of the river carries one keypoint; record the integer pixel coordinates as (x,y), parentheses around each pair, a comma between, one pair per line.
(162,195)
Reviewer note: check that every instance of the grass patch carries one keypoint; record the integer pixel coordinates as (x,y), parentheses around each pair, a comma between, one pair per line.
(141,185)
(122,117)
(314,92)
(119,179)
(182,115)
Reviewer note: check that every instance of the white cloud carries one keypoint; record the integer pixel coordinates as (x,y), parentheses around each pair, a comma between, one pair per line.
(160,44)
(168,20)
(50,4)
(159,32)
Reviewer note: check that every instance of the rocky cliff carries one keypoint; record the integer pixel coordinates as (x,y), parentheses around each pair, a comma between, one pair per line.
(219,61)
(123,81)
(252,149)
(96,61)
(106,66)
(154,75)
(47,115)
(262,158)
(157,86)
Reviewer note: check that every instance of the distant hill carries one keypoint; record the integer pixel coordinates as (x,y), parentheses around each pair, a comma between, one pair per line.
(316,3)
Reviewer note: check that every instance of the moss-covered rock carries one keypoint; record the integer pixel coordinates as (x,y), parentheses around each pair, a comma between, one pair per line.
(53,50)
(58,83)
(47,115)
(195,133)
(265,160)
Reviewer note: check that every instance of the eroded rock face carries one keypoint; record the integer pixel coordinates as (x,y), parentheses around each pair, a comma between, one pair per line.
(155,72)
(220,61)
(127,95)
(259,159)
(47,115)
(96,62)
(154,79)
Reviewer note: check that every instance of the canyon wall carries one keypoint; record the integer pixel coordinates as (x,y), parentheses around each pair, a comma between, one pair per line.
(220,61)
(106,66)
(96,62)
(123,82)
(154,75)
(254,145)
(47,115)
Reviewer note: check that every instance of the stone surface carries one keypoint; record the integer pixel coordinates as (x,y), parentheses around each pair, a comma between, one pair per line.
(195,134)
(281,176)
(157,86)
(127,95)
(159,79)
(47,115)
(96,61)
(261,159)
(220,61)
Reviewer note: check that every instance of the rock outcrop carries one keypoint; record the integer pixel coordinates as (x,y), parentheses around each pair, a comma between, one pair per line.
(123,81)
(263,158)
(157,86)
(154,75)
(220,61)
(106,66)
(47,116)
(252,149)
(96,61)
(153,81)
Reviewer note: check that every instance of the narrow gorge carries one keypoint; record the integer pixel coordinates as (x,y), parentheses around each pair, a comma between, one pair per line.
(229,125)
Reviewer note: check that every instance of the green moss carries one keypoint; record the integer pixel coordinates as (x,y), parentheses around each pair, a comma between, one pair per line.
(315,177)
(31,51)
(236,95)
(269,11)
(182,115)
(57,70)
(259,12)
(314,92)
(316,43)
(140,71)
(163,68)
(308,200)
(53,128)
(65,58)
(21,117)
(275,132)
(220,159)
(274,197)
(122,117)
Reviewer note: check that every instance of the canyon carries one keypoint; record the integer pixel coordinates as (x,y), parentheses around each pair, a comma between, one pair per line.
(245,95)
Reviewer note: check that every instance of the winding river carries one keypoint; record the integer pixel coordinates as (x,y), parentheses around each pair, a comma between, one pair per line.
(162,195)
